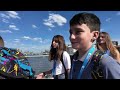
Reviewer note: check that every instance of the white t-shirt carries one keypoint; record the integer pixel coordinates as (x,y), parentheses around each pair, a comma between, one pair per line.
(59,66)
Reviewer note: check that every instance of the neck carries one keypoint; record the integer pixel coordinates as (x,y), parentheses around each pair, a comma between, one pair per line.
(83,51)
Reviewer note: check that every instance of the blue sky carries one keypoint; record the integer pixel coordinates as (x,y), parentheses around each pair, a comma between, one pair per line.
(34,30)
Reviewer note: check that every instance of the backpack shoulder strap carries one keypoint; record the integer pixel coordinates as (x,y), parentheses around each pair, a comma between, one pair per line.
(97,56)
(64,66)
(97,72)
(74,56)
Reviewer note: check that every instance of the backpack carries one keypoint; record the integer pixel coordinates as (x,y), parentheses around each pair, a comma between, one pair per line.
(97,72)
(14,65)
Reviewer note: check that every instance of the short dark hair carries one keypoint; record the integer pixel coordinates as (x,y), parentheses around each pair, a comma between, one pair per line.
(91,20)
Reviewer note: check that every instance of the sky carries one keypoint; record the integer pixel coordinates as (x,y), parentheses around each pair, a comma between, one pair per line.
(34,30)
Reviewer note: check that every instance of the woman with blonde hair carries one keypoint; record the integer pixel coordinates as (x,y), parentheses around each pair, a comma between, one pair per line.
(105,44)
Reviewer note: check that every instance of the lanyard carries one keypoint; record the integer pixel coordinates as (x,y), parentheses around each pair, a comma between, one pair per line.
(54,66)
(91,51)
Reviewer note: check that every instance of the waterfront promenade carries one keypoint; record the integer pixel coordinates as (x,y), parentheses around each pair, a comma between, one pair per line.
(36,56)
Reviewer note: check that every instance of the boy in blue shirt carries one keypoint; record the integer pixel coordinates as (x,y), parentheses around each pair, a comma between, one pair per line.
(84,30)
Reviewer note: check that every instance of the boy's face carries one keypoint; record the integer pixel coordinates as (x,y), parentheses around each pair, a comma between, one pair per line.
(80,36)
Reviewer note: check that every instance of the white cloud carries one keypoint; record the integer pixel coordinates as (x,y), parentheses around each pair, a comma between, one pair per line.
(118,13)
(40,40)
(34,26)
(4,16)
(5,31)
(17,40)
(54,18)
(49,24)
(13,27)
(8,15)
(36,39)
(13,14)
(5,20)
(108,20)
(26,37)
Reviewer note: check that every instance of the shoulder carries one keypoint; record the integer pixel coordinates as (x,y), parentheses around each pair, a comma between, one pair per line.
(65,53)
(111,67)
(108,61)
(117,52)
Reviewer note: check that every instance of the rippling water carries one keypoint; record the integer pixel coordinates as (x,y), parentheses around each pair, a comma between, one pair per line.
(40,64)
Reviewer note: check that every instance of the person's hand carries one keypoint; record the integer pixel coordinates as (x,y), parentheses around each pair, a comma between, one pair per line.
(40,76)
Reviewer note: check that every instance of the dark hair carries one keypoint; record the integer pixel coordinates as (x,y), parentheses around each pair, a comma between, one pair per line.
(55,53)
(91,20)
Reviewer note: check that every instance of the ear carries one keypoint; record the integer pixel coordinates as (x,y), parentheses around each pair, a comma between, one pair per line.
(95,34)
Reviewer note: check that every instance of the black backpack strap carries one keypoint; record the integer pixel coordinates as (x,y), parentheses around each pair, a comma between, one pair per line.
(66,75)
(74,56)
(97,72)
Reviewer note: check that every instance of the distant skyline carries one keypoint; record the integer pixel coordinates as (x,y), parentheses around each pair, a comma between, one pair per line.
(34,30)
